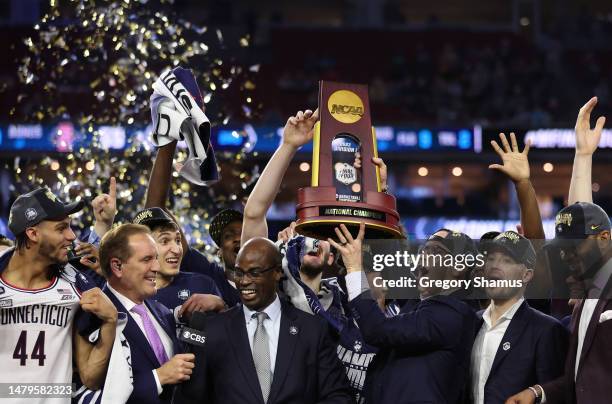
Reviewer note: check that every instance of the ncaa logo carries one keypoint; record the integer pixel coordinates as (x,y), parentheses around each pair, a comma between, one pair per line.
(184,294)
(30,214)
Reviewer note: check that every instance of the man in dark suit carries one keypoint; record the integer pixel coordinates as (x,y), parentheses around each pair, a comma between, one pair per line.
(264,351)
(424,350)
(128,258)
(582,232)
(516,345)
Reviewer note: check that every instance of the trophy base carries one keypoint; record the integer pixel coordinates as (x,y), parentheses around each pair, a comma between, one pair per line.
(319,213)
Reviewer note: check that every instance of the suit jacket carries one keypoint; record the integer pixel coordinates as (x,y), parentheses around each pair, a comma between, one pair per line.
(143,358)
(424,351)
(307,369)
(537,348)
(592,383)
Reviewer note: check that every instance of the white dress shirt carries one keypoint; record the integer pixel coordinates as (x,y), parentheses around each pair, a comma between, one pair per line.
(485,348)
(166,340)
(271,325)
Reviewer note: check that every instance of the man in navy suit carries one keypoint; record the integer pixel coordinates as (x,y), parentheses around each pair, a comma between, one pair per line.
(263,351)
(424,351)
(128,258)
(516,345)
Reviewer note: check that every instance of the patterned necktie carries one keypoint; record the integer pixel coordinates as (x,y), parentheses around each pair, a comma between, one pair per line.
(152,334)
(261,355)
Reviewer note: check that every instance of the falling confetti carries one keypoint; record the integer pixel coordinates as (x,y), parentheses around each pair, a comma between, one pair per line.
(92,63)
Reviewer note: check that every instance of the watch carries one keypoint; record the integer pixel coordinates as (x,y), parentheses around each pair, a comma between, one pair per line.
(536,393)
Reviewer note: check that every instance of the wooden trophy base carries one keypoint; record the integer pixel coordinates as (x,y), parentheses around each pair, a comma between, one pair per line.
(318,213)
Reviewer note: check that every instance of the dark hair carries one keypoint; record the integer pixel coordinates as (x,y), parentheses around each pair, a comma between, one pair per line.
(115,244)
(22,241)
(164,226)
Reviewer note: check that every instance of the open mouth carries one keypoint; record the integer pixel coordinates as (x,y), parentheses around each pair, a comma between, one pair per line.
(172,261)
(151,279)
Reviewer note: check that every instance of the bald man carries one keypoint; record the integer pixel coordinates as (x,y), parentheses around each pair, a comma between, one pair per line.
(263,350)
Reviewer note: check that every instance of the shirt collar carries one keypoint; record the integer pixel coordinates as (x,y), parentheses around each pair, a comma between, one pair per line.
(273,311)
(126,302)
(508,315)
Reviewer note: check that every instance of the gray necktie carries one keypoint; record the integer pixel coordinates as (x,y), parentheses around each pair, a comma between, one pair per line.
(261,355)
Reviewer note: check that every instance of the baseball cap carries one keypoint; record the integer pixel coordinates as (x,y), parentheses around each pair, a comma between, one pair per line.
(152,216)
(36,206)
(578,221)
(455,242)
(220,221)
(516,246)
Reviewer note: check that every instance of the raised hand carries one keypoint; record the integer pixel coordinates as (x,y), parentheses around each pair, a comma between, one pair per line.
(515,163)
(299,129)
(105,207)
(89,256)
(286,234)
(349,247)
(587,139)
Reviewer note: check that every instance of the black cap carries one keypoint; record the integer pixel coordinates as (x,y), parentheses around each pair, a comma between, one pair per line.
(152,216)
(41,204)
(580,220)
(220,222)
(514,245)
(456,242)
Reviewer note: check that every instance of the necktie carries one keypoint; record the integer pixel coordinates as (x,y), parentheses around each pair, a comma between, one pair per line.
(261,355)
(152,334)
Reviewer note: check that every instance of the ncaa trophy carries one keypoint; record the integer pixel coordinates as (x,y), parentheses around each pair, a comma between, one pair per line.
(341,191)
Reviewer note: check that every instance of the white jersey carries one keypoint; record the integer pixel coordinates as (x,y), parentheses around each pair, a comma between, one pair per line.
(36,336)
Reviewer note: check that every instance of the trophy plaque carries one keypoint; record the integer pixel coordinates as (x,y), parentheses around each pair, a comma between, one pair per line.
(342,190)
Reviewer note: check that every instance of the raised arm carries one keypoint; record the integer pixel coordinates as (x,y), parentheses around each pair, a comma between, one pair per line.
(298,131)
(105,208)
(587,140)
(516,167)
(161,177)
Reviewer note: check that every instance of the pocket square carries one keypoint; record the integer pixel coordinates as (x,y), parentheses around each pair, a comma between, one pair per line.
(605,316)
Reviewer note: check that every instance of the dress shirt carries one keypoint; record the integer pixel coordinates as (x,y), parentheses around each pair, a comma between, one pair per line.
(485,348)
(166,340)
(271,325)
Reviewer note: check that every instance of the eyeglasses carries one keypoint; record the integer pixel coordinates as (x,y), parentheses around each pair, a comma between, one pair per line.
(252,275)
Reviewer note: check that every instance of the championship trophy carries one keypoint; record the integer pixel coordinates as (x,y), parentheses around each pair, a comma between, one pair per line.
(342,190)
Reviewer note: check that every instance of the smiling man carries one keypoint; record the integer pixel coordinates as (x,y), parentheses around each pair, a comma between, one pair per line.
(40,300)
(181,292)
(129,260)
(264,350)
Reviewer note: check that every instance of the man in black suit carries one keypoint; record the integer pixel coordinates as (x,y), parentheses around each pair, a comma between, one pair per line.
(264,350)
(516,345)
(128,258)
(424,351)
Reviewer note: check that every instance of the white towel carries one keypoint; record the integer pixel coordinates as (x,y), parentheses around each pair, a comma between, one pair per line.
(177,116)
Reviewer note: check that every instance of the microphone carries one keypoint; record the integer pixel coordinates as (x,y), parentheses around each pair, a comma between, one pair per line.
(195,334)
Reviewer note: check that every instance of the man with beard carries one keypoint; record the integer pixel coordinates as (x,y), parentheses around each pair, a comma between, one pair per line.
(424,351)
(516,346)
(305,260)
(182,292)
(587,251)
(40,300)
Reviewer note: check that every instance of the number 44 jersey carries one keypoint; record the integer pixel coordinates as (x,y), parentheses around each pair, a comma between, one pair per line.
(36,337)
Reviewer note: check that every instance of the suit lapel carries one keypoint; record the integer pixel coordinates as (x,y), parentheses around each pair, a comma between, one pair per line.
(592,327)
(168,328)
(133,333)
(240,343)
(288,336)
(510,339)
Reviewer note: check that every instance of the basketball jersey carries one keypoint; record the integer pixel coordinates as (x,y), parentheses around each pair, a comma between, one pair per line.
(36,327)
